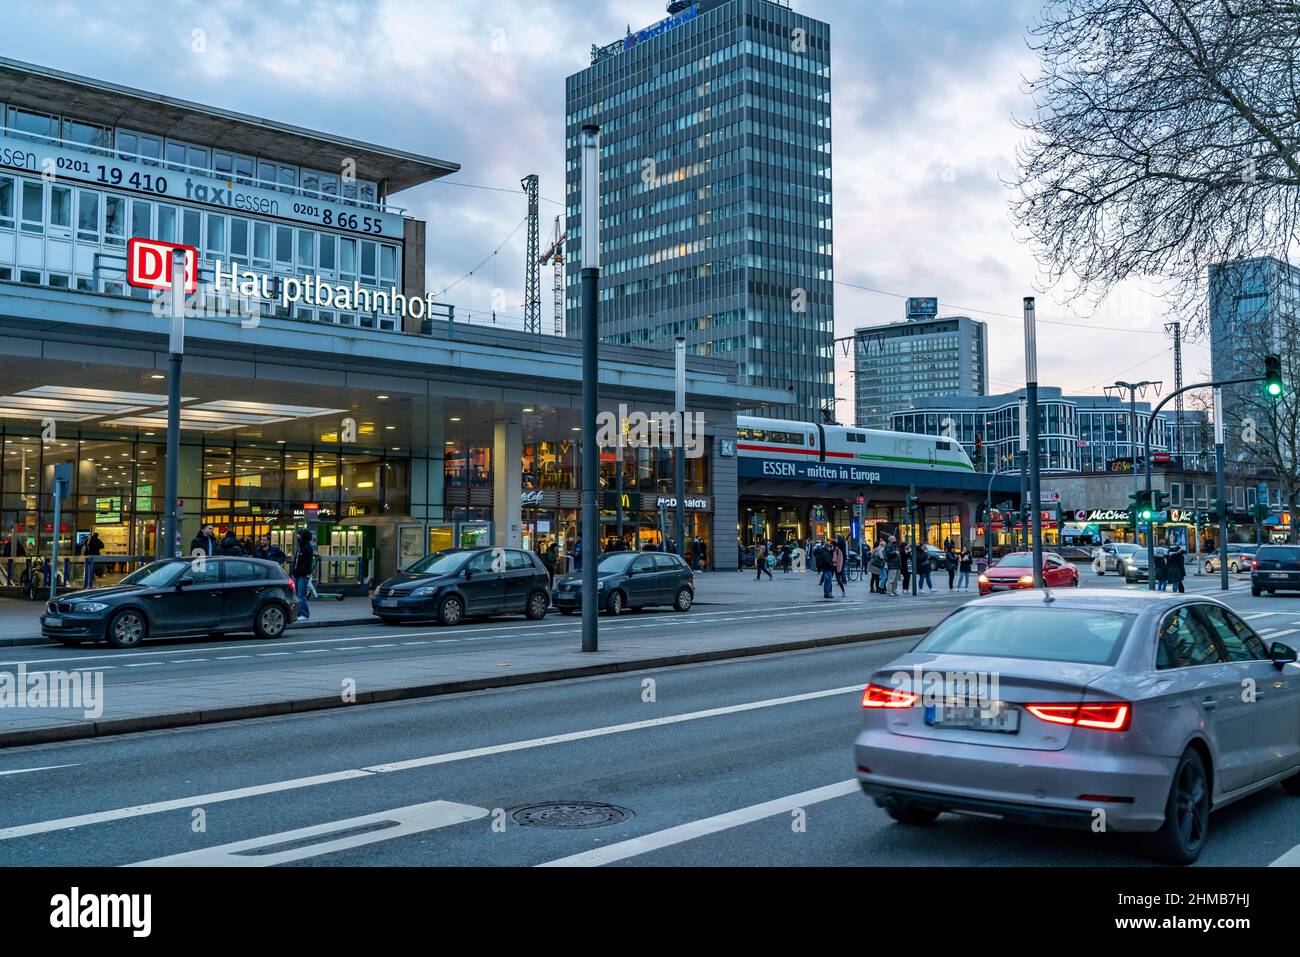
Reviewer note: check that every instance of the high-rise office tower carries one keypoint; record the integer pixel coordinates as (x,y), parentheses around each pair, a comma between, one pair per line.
(715,192)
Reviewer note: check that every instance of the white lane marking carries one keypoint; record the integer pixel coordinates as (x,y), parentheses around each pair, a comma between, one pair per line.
(1290,859)
(709,825)
(608,729)
(1264,614)
(233,657)
(156,807)
(48,767)
(1284,631)
(143,664)
(267,654)
(403,821)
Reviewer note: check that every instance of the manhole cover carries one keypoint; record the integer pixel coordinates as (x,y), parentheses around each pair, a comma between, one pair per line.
(571,814)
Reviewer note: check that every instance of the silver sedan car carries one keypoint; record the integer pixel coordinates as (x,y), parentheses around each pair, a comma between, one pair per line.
(1115,711)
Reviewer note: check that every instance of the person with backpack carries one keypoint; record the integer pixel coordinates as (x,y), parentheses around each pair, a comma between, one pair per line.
(304,563)
(760,562)
(1161,571)
(893,562)
(825,566)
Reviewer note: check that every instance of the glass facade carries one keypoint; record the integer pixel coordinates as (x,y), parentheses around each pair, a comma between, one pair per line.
(68,235)
(716,219)
(1076,434)
(898,363)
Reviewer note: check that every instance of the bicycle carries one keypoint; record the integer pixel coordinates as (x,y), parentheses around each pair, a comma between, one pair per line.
(853,568)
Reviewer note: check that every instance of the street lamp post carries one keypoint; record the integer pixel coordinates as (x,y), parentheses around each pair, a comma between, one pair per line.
(1023,455)
(171,520)
(1218,484)
(590,380)
(1035,479)
(679,450)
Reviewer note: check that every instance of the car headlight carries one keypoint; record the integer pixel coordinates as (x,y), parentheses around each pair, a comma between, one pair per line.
(424,591)
(89,607)
(600,584)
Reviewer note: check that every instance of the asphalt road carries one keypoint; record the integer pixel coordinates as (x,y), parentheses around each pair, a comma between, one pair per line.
(744,762)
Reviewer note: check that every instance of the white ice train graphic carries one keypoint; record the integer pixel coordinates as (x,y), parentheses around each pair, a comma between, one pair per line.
(780,440)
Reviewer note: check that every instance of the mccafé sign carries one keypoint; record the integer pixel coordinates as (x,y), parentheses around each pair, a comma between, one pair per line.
(149,264)
(1101,515)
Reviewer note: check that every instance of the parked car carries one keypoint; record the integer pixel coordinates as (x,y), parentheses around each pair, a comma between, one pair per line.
(461,583)
(1275,568)
(1074,553)
(1240,559)
(632,580)
(177,596)
(1135,569)
(1016,571)
(1113,701)
(1112,557)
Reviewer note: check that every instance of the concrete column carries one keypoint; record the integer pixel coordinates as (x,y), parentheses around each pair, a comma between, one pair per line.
(507,496)
(725,486)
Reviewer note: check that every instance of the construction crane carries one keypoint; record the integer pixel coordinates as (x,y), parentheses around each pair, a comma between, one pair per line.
(532,281)
(554,257)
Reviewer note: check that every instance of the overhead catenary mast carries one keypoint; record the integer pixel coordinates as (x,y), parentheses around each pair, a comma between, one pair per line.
(532,278)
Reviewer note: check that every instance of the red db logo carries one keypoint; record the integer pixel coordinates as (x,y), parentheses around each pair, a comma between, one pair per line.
(149,264)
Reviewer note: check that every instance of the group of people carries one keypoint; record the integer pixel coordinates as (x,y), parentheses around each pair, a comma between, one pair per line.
(302,564)
(892,562)
(888,564)
(1171,568)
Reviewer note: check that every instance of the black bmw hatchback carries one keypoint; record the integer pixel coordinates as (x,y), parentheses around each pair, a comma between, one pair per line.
(179,596)
(461,583)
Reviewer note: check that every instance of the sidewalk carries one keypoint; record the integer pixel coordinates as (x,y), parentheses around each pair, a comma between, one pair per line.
(20,620)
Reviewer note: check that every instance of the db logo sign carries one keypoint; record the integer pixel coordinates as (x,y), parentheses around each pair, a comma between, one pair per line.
(149,264)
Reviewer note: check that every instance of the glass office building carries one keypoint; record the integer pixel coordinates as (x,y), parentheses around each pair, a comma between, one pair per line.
(921,357)
(715,193)
(1076,433)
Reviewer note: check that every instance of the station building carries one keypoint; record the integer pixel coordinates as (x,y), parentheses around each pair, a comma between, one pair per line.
(380,417)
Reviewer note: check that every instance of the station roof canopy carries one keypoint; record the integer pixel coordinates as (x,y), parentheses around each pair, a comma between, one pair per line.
(35,87)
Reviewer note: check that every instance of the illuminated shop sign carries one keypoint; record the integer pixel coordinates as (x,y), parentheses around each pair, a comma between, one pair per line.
(649,33)
(110,172)
(231,279)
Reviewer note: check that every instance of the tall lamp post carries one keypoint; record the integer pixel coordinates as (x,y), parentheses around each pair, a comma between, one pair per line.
(1023,456)
(176,348)
(1031,394)
(679,450)
(1133,388)
(590,374)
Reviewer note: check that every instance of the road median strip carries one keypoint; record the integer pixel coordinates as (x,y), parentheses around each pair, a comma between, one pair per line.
(189,717)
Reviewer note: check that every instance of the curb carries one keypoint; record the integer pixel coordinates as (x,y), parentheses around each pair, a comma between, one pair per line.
(190,718)
(331,623)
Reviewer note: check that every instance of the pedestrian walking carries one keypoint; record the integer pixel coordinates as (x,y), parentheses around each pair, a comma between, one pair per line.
(893,565)
(91,549)
(876,565)
(760,562)
(824,563)
(905,564)
(950,564)
(964,567)
(1177,568)
(839,559)
(205,542)
(304,563)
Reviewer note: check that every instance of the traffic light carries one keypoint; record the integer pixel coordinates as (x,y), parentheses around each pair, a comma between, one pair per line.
(1218,509)
(913,503)
(1273,376)
(1140,506)
(1159,501)
(1259,512)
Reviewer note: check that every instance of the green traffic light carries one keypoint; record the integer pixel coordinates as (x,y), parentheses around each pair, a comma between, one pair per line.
(1275,388)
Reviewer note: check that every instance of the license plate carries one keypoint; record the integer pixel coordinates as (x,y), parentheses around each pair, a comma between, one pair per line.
(388,603)
(999,588)
(1278,575)
(52,622)
(993,716)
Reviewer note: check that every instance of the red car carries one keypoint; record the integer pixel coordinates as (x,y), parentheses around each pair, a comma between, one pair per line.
(1016,570)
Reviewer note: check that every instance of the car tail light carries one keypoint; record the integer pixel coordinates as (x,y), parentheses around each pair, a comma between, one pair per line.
(877,697)
(1102,715)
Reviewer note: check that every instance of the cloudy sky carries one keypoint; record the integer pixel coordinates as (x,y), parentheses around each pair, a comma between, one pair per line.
(924,93)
